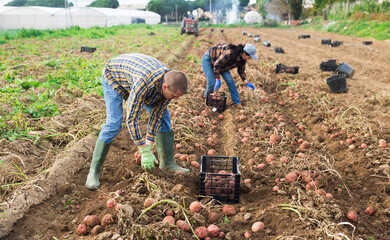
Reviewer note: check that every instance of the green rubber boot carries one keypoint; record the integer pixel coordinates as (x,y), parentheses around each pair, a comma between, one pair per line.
(164,144)
(99,155)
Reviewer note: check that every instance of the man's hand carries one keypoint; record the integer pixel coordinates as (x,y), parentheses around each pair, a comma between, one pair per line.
(250,85)
(217,84)
(147,157)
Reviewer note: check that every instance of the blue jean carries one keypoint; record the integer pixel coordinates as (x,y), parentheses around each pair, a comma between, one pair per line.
(114,111)
(208,71)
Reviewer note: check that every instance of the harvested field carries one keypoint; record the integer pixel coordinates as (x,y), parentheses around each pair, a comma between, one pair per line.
(328,142)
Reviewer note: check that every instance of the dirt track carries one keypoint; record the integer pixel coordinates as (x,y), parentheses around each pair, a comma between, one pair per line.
(364,173)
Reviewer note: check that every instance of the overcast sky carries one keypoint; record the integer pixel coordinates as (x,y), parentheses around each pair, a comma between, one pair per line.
(83,3)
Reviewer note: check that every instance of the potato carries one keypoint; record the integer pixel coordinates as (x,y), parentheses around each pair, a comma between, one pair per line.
(195,164)
(96,230)
(183,225)
(213,230)
(257,226)
(270,159)
(352,215)
(111,203)
(201,232)
(370,211)
(274,139)
(213,217)
(86,219)
(92,221)
(169,219)
(107,220)
(169,213)
(82,229)
(291,177)
(149,202)
(212,152)
(229,210)
(195,206)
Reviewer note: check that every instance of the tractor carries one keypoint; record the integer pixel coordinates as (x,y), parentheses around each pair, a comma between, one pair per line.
(190,26)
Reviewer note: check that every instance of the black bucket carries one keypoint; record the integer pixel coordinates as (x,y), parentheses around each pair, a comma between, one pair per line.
(280,68)
(278,50)
(337,83)
(346,69)
(267,43)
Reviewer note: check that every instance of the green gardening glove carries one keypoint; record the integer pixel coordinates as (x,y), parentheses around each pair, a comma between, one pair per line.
(147,157)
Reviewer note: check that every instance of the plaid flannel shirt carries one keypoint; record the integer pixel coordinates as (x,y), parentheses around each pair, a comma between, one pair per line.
(224,59)
(138,78)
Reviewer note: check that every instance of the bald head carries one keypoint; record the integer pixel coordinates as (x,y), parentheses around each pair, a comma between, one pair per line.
(177,81)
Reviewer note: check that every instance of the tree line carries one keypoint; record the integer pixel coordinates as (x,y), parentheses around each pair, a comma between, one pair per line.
(61,3)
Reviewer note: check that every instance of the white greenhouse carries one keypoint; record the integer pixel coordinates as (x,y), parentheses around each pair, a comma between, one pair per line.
(59,18)
(253,17)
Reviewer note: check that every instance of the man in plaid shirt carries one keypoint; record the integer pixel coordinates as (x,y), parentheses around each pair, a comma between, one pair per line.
(221,58)
(144,82)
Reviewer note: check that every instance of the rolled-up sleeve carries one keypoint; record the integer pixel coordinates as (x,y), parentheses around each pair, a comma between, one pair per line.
(155,119)
(135,103)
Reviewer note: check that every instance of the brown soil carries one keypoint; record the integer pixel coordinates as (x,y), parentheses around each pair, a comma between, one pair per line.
(55,202)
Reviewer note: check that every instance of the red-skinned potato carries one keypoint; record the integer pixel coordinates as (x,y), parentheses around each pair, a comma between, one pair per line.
(213,217)
(96,230)
(352,215)
(370,211)
(169,219)
(201,232)
(229,210)
(86,219)
(213,230)
(274,139)
(291,177)
(107,220)
(195,206)
(92,221)
(82,229)
(257,226)
(212,152)
(149,202)
(111,203)
(138,157)
(183,225)
(195,164)
(270,159)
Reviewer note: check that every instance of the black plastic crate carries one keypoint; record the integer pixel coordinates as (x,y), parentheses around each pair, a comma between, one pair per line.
(216,100)
(304,36)
(278,50)
(280,68)
(367,42)
(336,43)
(88,49)
(329,65)
(220,178)
(326,41)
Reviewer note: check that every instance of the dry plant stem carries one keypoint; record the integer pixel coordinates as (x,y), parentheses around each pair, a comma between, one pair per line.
(174,204)
(331,170)
(9,153)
